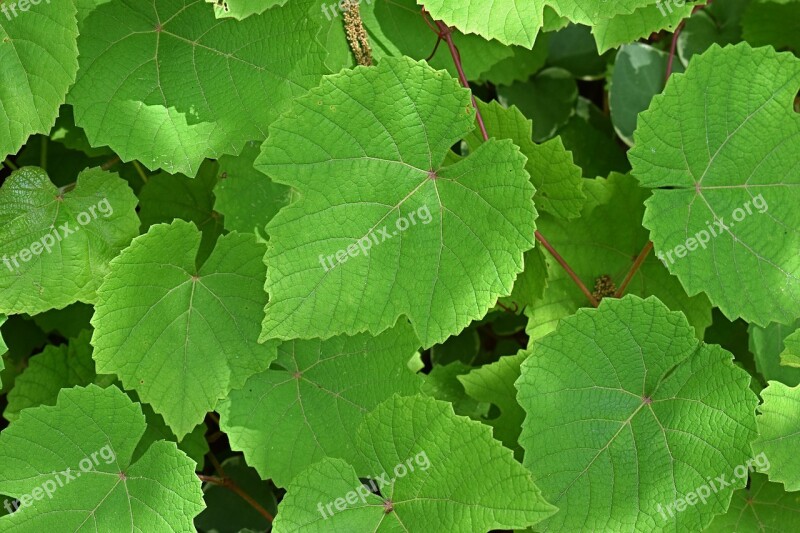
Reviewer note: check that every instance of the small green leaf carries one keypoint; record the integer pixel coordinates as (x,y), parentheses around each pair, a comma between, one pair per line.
(779,433)
(184,364)
(317,392)
(56,245)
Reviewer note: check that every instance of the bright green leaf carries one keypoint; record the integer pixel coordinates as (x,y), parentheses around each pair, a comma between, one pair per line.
(184,364)
(364,168)
(779,433)
(627,412)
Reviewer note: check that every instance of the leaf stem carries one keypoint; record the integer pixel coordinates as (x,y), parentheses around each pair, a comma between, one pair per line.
(43,155)
(566,267)
(10,164)
(110,163)
(140,170)
(446,33)
(635,268)
(229,484)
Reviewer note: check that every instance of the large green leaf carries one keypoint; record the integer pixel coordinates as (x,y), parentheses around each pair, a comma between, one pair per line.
(169,84)
(55,244)
(779,433)
(626,413)
(182,334)
(722,158)
(83,476)
(435,472)
(605,241)
(317,392)
(38,63)
(381,227)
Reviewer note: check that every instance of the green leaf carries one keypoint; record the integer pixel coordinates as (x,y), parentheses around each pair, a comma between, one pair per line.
(627,412)
(56,368)
(226,511)
(779,433)
(440,468)
(166,197)
(718,22)
(3,350)
(182,335)
(549,99)
(606,241)
(317,392)
(791,355)
(401,22)
(639,74)
(56,245)
(494,384)
(557,179)
(760,507)
(241,9)
(38,63)
(508,21)
(730,161)
(363,168)
(522,64)
(574,49)
(246,197)
(646,20)
(442,383)
(766,344)
(775,23)
(172,85)
(93,432)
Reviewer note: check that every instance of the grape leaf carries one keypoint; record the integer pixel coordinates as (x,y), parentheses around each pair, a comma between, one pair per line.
(773,23)
(241,9)
(548,98)
(644,21)
(442,383)
(791,354)
(606,241)
(85,443)
(401,22)
(437,466)
(166,197)
(365,170)
(779,433)
(3,350)
(246,197)
(56,368)
(557,179)
(508,21)
(170,85)
(38,63)
(184,365)
(718,22)
(317,392)
(760,507)
(627,412)
(574,49)
(637,76)
(720,184)
(67,236)
(766,344)
(494,383)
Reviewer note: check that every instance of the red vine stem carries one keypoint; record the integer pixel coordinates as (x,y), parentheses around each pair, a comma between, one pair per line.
(649,246)
(445,33)
(229,484)
(635,268)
